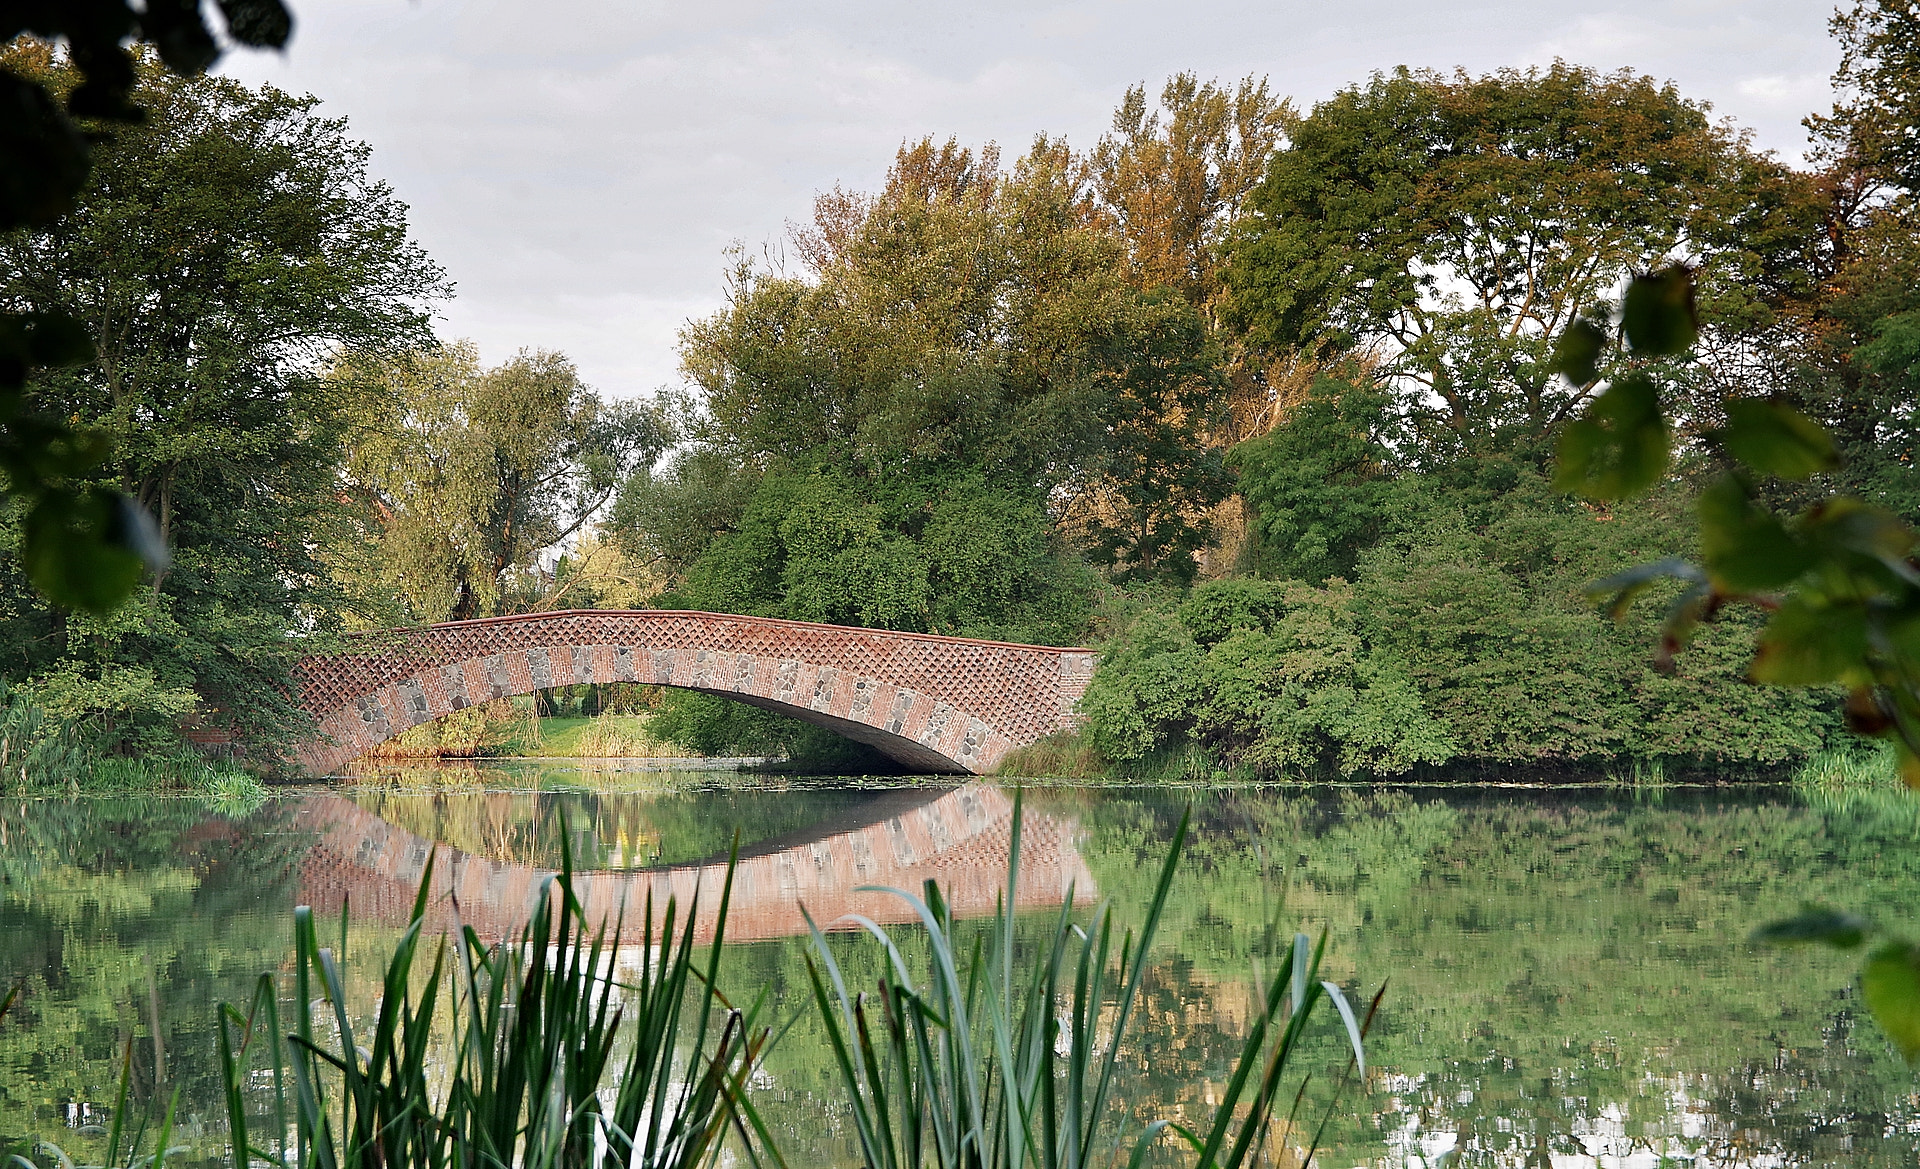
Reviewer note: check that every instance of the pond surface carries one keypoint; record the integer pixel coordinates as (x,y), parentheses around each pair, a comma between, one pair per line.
(1568,978)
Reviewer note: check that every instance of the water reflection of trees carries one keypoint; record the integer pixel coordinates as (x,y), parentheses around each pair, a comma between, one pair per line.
(113,913)
(1567,970)
(1568,975)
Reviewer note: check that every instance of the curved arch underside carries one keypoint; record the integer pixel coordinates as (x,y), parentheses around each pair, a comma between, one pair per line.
(933,704)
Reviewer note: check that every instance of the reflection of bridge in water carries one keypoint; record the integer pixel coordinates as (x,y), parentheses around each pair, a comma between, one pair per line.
(960,836)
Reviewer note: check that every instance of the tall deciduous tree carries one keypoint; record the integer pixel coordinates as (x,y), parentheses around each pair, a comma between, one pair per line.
(82,544)
(1858,367)
(1173,179)
(964,331)
(475,474)
(1878,88)
(222,252)
(1170,182)
(1451,228)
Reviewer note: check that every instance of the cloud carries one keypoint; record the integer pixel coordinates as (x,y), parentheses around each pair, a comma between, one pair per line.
(580,166)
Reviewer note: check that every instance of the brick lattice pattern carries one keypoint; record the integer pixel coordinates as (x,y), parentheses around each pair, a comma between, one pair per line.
(961,837)
(936,704)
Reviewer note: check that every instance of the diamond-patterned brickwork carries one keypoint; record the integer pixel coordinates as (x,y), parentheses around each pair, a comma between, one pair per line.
(934,703)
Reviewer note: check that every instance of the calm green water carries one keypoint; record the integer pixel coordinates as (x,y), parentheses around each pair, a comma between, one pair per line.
(1568,979)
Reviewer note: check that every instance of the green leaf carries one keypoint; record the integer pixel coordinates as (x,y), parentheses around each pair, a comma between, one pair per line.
(1814,923)
(1746,548)
(1658,317)
(1890,983)
(40,339)
(1577,353)
(46,154)
(1808,644)
(1619,446)
(1873,538)
(1619,591)
(1777,440)
(78,550)
(263,24)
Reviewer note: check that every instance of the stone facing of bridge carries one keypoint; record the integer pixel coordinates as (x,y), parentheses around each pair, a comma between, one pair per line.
(936,704)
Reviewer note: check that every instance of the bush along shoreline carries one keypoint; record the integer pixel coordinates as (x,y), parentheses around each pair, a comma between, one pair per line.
(41,754)
(1456,651)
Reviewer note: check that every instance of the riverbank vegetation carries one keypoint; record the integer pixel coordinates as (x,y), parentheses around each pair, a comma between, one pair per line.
(1261,401)
(589,721)
(1354,561)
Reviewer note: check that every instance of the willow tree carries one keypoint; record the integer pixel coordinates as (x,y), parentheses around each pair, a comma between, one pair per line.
(473,475)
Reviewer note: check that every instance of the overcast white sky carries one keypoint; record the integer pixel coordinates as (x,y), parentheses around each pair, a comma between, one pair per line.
(580,166)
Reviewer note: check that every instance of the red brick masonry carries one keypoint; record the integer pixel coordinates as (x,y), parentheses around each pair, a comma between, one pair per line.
(936,704)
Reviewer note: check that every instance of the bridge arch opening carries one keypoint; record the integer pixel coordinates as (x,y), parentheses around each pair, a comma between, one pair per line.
(932,704)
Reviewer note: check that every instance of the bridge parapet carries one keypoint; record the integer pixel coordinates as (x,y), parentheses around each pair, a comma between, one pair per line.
(937,704)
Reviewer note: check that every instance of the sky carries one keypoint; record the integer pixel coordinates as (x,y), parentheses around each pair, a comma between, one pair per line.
(581,167)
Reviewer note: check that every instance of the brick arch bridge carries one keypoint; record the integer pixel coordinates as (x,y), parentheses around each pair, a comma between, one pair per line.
(934,704)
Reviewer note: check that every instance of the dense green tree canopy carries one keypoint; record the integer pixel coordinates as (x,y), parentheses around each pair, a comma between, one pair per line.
(222,252)
(1464,637)
(1451,228)
(82,544)
(962,375)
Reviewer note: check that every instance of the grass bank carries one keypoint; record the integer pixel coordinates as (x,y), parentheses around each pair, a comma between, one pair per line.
(511,729)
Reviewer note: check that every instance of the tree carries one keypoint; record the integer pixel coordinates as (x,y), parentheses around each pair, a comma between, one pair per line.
(1173,186)
(1873,123)
(1857,371)
(222,252)
(1171,183)
(475,474)
(965,334)
(1450,229)
(1270,676)
(81,546)
(1323,483)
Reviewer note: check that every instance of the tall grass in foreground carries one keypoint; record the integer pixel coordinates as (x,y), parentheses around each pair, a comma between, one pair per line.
(532,1081)
(1003,1060)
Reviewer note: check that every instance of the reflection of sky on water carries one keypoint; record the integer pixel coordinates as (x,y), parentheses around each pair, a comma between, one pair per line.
(1606,1137)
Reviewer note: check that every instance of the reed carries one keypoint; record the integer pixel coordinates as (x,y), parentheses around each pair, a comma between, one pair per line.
(1852,766)
(998,1060)
(532,1081)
